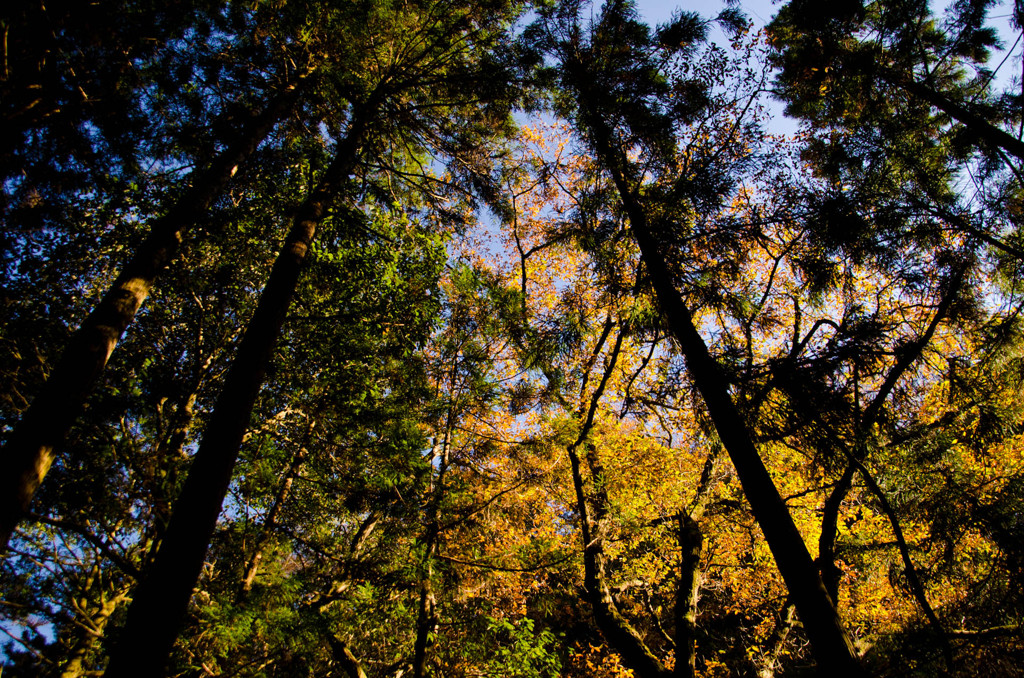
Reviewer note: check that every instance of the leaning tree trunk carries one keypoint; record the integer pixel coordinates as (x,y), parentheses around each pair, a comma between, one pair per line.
(831,645)
(833,650)
(160,603)
(991,135)
(31,449)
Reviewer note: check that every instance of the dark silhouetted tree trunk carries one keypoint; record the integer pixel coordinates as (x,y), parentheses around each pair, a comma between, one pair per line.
(830,572)
(344,656)
(691,541)
(159,605)
(832,647)
(33,445)
(991,135)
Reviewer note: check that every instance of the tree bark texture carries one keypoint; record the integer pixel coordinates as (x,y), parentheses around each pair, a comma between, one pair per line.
(33,444)
(161,601)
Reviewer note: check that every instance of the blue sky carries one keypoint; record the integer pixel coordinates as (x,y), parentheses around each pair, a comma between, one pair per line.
(760,11)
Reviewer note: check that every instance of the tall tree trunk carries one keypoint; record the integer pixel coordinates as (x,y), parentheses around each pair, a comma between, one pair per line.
(31,449)
(691,542)
(991,135)
(830,572)
(832,647)
(426,618)
(161,601)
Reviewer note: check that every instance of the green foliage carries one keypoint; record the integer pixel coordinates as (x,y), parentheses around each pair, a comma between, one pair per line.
(407,478)
(523,651)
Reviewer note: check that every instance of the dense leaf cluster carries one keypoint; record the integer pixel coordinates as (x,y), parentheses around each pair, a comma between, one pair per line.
(450,338)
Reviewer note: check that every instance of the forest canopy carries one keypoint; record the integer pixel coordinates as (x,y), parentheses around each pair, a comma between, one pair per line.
(384,338)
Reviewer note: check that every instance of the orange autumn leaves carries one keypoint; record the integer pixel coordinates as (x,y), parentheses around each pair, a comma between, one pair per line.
(655,451)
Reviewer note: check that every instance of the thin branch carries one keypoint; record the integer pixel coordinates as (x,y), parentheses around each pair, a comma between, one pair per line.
(500,568)
(119,560)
